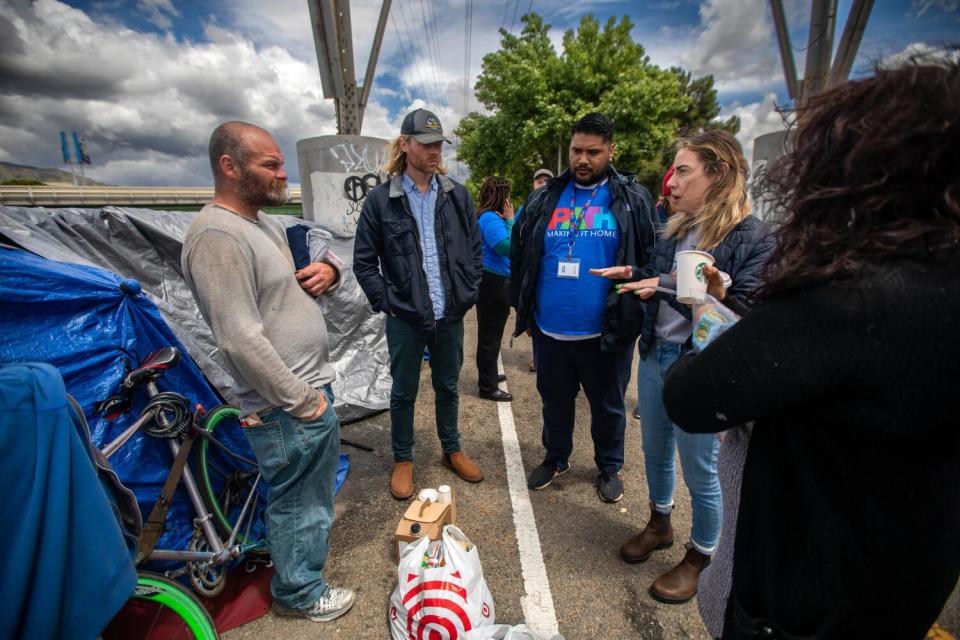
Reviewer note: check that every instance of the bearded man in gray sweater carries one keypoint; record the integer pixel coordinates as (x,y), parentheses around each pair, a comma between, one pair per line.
(273,340)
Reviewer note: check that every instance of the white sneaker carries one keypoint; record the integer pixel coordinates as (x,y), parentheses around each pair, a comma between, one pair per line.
(335,602)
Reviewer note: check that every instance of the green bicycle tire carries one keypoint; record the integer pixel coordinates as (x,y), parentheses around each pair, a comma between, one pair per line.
(214,417)
(177,599)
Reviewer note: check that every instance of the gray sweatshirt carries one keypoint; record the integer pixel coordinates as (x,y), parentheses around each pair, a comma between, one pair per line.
(270,332)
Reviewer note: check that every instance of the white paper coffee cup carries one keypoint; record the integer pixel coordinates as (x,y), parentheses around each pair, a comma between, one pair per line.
(445,494)
(691,281)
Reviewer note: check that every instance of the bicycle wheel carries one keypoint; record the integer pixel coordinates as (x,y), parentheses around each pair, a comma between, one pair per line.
(228,471)
(161,608)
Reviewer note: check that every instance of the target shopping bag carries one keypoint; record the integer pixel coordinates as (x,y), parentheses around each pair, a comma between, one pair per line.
(441,592)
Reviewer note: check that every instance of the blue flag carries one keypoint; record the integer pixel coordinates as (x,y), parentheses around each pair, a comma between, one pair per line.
(64,148)
(79,145)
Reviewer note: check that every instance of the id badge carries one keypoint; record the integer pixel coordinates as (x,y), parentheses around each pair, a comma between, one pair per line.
(568,268)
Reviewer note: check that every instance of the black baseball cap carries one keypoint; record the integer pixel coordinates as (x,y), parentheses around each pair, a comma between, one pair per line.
(424,126)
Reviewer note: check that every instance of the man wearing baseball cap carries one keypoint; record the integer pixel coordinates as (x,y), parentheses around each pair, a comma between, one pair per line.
(417,258)
(540,177)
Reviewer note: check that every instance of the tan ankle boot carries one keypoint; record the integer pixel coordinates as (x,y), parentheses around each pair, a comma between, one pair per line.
(680,583)
(463,466)
(401,480)
(658,534)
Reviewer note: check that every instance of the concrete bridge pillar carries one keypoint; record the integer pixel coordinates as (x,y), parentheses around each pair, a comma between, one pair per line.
(336,172)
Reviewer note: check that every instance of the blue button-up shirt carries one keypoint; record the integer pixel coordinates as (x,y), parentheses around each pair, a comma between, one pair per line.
(423,207)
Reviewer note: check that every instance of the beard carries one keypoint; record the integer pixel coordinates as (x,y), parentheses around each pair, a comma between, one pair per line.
(257,193)
(593,178)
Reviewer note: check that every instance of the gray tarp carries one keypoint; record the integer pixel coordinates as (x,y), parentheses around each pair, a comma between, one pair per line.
(145,245)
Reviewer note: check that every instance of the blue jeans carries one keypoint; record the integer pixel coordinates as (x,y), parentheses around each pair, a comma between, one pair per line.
(406,343)
(298,461)
(661,439)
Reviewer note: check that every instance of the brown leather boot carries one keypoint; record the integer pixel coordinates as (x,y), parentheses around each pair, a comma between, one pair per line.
(680,583)
(463,466)
(401,480)
(658,534)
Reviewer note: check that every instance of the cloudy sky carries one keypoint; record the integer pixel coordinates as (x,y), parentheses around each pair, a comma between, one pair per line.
(145,81)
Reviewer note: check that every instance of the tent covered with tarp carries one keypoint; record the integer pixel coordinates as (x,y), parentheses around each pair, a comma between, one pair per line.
(93,292)
(144,245)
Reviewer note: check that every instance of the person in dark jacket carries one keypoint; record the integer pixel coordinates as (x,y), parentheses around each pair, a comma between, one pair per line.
(849,520)
(417,258)
(591,216)
(708,195)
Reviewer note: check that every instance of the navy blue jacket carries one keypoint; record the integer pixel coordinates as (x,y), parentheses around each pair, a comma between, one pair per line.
(742,253)
(632,205)
(388,253)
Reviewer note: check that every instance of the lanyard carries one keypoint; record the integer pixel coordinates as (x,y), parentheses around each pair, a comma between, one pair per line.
(575,221)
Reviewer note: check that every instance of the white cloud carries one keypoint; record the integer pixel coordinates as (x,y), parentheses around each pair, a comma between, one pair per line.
(756,119)
(920,7)
(145,100)
(158,12)
(736,45)
(918,51)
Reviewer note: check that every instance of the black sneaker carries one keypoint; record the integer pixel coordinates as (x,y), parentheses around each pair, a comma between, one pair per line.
(542,476)
(636,412)
(610,487)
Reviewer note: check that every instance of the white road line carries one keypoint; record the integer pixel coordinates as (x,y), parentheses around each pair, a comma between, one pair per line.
(538,611)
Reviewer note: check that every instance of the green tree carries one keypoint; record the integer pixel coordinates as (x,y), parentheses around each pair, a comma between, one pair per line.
(533,96)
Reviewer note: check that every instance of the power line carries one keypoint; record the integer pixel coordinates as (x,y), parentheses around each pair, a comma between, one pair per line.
(434,61)
(435,33)
(514,19)
(413,64)
(423,76)
(467,43)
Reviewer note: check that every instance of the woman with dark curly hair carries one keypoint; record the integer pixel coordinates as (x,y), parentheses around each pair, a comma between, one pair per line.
(849,518)
(495,218)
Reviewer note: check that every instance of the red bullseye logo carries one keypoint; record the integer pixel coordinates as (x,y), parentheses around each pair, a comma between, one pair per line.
(485,610)
(436,609)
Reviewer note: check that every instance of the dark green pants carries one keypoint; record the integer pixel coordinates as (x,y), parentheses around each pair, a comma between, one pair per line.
(406,344)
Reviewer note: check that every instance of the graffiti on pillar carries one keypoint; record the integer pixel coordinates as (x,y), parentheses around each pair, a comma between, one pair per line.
(356,159)
(362,163)
(345,173)
(355,189)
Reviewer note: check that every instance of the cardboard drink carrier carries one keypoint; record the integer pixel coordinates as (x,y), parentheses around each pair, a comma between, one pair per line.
(423,518)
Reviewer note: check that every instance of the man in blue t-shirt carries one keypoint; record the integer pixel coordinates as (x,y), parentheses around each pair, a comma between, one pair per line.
(589,217)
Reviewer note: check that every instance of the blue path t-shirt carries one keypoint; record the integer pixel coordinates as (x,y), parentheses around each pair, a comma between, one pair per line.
(574,307)
(494,230)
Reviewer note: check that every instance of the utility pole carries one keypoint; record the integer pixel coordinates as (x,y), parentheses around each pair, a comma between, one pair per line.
(336,172)
(819,74)
(333,38)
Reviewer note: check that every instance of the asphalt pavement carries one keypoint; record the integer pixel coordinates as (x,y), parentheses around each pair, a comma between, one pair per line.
(595,594)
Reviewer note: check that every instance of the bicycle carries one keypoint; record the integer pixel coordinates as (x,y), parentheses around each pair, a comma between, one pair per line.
(228,501)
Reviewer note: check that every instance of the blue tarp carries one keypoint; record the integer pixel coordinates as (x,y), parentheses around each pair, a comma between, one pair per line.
(91,325)
(67,570)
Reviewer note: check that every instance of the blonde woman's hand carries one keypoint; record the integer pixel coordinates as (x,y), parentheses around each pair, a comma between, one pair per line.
(643,288)
(715,283)
(613,273)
